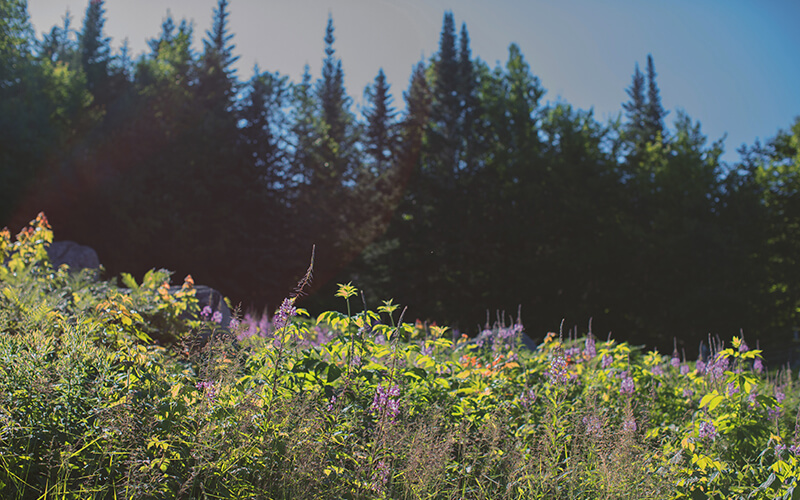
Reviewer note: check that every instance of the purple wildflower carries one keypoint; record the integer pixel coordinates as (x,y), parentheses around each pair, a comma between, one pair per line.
(627,386)
(732,389)
(589,349)
(675,361)
(557,371)
(385,402)
(629,425)
(208,389)
(707,431)
(658,371)
(216,317)
(284,314)
(607,360)
(758,365)
(594,426)
(684,369)
(700,365)
(206,313)
(380,477)
(687,393)
(779,395)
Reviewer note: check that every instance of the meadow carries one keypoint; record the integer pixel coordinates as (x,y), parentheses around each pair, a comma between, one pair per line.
(111,392)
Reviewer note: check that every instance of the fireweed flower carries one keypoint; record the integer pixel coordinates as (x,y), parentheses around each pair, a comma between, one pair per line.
(206,313)
(208,389)
(216,317)
(700,365)
(675,361)
(589,348)
(380,476)
(629,425)
(758,365)
(627,386)
(684,369)
(284,314)
(707,431)
(385,402)
(607,360)
(557,371)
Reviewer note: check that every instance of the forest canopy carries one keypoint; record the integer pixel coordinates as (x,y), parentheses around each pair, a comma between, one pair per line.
(461,194)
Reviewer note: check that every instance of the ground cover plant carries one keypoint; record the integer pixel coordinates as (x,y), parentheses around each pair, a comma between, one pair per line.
(117,392)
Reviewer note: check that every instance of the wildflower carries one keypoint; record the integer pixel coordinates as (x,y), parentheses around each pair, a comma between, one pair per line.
(589,349)
(684,369)
(687,393)
(675,361)
(629,425)
(751,398)
(743,346)
(380,477)
(528,398)
(216,317)
(707,431)
(700,365)
(331,403)
(658,371)
(385,402)
(234,324)
(206,313)
(779,395)
(627,386)
(732,389)
(208,389)
(607,360)
(758,365)
(557,371)
(284,314)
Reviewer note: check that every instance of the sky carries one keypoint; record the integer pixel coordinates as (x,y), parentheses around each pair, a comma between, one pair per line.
(732,65)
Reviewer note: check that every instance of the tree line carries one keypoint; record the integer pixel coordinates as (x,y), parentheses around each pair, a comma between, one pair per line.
(473,196)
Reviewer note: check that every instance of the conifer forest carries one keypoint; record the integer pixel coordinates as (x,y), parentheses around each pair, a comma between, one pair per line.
(461,195)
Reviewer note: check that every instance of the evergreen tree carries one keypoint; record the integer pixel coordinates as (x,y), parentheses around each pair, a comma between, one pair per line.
(636,112)
(216,81)
(381,141)
(95,52)
(654,113)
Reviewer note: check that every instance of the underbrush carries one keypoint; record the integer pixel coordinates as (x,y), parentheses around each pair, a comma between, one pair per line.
(109,392)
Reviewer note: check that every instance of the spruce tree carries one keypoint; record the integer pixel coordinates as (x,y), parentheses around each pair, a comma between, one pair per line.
(653,113)
(635,111)
(381,143)
(95,51)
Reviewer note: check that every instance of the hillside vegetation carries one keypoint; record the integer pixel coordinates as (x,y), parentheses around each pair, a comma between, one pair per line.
(106,392)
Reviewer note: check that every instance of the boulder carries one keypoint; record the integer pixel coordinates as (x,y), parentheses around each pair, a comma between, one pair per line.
(76,256)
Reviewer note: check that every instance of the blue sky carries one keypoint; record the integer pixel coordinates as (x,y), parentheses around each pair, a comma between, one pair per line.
(732,65)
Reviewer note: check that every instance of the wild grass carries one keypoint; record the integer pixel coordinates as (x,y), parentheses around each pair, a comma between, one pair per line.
(110,393)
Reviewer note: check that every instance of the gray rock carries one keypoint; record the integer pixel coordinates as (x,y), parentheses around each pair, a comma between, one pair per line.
(76,256)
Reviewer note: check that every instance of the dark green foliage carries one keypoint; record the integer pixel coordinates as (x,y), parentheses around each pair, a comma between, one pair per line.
(474,196)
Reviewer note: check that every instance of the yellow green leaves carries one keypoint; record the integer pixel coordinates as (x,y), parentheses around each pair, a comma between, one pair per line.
(346,291)
(711,400)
